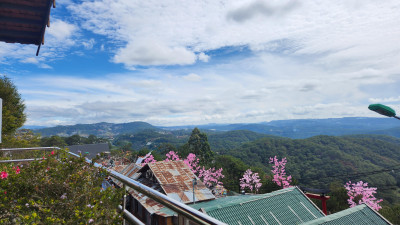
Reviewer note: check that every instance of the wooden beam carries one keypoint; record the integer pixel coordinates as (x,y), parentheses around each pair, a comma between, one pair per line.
(46,18)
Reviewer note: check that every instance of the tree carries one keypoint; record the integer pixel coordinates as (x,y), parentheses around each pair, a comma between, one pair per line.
(74,140)
(360,193)
(13,113)
(250,180)
(279,172)
(53,141)
(233,170)
(198,144)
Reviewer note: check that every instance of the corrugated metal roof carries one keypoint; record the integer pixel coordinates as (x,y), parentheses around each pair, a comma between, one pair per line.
(176,179)
(131,171)
(361,214)
(91,150)
(24,21)
(173,178)
(287,206)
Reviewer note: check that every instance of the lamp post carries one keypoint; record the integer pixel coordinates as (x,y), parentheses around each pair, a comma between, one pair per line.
(194,184)
(383,110)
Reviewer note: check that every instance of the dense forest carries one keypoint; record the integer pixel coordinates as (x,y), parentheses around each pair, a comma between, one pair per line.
(320,162)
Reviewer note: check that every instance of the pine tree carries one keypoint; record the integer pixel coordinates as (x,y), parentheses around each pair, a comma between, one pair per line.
(198,144)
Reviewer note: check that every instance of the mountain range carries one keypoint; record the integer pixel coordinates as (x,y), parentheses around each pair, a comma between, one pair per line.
(301,128)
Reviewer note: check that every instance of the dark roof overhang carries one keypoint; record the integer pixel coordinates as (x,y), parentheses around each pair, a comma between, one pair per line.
(24,21)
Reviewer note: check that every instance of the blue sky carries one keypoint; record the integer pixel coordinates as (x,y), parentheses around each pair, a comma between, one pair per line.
(184,62)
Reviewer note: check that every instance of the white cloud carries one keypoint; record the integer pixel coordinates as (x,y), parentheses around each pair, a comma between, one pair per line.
(192,77)
(261,7)
(384,100)
(89,44)
(334,32)
(32,60)
(152,52)
(61,30)
(203,57)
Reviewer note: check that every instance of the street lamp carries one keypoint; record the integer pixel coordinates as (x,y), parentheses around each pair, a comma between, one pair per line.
(383,110)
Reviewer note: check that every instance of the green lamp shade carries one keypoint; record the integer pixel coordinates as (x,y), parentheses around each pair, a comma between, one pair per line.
(382,109)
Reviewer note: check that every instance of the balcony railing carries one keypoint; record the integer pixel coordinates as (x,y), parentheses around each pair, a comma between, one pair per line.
(185,213)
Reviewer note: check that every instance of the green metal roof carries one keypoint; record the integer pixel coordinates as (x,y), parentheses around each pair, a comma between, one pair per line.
(286,206)
(361,214)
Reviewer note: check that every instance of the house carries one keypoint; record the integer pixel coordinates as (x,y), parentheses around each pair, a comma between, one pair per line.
(172,178)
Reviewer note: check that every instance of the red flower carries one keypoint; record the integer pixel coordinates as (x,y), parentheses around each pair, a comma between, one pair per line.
(3,175)
(52,152)
(17,171)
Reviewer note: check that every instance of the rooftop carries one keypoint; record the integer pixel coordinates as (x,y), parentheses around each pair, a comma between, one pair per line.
(361,214)
(286,206)
(24,21)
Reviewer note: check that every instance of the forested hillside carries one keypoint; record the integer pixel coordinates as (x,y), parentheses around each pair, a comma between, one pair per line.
(318,161)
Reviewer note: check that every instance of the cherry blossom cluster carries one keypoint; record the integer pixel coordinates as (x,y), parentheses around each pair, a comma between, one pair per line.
(278,169)
(250,180)
(172,156)
(365,193)
(149,159)
(193,162)
(211,176)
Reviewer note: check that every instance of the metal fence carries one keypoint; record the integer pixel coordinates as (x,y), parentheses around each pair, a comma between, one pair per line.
(185,213)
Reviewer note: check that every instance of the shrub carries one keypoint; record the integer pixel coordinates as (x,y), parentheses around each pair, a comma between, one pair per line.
(57,191)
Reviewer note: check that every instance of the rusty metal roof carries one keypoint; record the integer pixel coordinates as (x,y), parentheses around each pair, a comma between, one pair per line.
(24,21)
(131,172)
(176,180)
(173,178)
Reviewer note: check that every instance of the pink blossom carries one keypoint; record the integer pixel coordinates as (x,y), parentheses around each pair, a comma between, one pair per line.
(172,156)
(17,171)
(3,175)
(64,196)
(91,221)
(193,162)
(279,172)
(365,193)
(250,180)
(211,176)
(149,159)
(52,152)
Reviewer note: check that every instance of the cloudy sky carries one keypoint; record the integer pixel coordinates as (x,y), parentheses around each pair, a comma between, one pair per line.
(177,62)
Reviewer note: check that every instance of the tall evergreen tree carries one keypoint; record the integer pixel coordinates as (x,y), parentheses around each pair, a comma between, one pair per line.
(198,144)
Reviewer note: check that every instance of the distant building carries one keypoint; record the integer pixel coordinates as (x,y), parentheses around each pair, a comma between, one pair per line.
(90,150)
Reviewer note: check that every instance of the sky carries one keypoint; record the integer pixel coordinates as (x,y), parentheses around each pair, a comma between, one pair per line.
(181,62)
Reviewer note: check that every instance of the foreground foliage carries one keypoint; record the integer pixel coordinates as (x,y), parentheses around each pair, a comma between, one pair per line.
(51,191)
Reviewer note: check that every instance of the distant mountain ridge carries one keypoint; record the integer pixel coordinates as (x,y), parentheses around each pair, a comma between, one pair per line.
(99,129)
(302,128)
